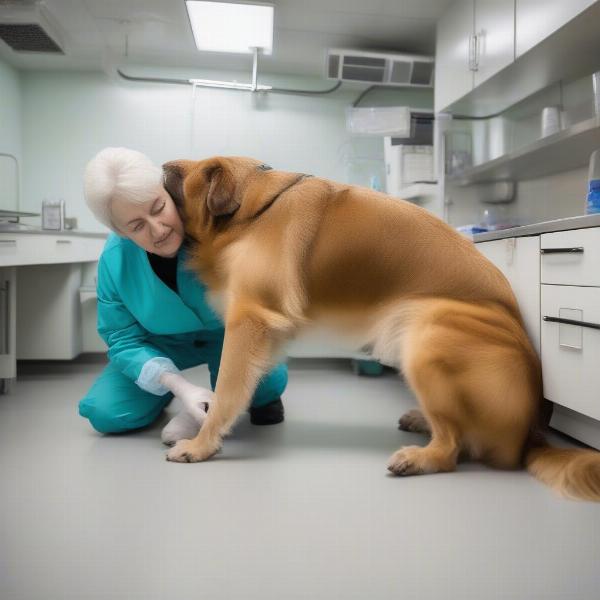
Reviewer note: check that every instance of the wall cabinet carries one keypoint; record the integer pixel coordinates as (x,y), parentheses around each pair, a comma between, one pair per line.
(478,39)
(453,77)
(475,40)
(494,37)
(538,19)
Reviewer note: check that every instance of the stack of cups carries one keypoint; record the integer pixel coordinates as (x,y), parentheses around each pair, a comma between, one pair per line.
(550,120)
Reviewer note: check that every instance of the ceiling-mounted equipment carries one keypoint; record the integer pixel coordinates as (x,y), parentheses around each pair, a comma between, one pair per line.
(28,27)
(234,85)
(380,68)
(231,26)
(238,27)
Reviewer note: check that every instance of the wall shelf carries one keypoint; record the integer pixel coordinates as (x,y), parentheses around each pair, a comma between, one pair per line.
(563,151)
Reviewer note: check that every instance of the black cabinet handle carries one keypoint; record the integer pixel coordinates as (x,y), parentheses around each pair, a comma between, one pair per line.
(562,250)
(572,322)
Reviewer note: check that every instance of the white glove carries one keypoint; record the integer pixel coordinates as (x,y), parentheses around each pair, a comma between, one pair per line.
(195,399)
(181,427)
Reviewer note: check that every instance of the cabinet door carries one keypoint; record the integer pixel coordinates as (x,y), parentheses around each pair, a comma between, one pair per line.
(570,351)
(453,77)
(519,261)
(495,30)
(537,19)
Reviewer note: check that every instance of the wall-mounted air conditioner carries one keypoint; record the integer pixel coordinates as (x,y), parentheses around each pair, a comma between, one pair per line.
(26,26)
(380,68)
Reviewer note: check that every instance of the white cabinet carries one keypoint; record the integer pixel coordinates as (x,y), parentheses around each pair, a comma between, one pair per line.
(8,337)
(537,19)
(571,257)
(40,308)
(453,77)
(571,347)
(49,312)
(519,261)
(494,37)
(475,40)
(555,279)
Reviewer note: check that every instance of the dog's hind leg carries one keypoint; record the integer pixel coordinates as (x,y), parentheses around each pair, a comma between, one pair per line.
(414,421)
(442,451)
(433,376)
(476,379)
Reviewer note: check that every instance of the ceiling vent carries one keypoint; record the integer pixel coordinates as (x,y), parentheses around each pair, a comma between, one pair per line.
(380,68)
(27,27)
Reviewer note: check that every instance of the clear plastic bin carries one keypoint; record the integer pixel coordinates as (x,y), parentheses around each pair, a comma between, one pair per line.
(380,120)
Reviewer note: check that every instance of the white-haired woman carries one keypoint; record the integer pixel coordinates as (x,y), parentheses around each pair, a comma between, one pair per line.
(152,312)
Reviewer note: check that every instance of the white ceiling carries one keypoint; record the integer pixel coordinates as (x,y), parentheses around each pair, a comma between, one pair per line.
(157,32)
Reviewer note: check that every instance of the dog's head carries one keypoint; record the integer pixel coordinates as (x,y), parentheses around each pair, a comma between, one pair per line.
(221,191)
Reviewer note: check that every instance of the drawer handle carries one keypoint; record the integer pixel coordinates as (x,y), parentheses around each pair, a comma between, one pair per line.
(562,250)
(8,242)
(572,322)
(64,241)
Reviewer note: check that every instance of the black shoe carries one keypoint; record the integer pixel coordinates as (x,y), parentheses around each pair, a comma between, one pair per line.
(269,414)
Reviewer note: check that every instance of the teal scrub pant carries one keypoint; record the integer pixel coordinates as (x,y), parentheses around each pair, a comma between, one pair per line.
(115,404)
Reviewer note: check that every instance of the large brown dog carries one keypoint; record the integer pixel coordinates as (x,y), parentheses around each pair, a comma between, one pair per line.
(282,250)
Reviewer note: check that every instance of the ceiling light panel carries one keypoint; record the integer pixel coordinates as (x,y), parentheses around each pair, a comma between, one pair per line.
(231,27)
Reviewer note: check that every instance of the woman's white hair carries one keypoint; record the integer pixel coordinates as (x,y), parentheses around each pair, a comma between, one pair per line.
(119,173)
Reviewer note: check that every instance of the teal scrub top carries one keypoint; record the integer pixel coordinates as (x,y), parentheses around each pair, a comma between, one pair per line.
(135,306)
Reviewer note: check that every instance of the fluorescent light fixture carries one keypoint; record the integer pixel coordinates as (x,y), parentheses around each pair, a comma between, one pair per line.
(231,27)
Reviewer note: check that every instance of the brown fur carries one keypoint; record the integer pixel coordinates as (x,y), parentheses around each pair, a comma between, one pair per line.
(279,252)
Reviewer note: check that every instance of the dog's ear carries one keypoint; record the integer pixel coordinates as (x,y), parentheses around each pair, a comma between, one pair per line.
(221,193)
(174,172)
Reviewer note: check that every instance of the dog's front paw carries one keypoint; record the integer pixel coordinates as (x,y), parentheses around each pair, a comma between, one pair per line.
(189,451)
(406,461)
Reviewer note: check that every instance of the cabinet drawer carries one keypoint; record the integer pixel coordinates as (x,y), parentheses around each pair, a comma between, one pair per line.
(571,257)
(571,352)
(23,249)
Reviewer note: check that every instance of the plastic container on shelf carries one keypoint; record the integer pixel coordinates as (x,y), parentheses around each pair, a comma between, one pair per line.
(380,120)
(593,198)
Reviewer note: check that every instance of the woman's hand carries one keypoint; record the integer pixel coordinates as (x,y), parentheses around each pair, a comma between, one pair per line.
(195,399)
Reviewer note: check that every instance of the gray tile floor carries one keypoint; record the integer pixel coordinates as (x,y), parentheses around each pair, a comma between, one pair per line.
(302,510)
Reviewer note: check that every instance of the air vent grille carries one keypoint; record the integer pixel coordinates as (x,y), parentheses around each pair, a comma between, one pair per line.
(383,68)
(333,68)
(400,72)
(422,73)
(28,37)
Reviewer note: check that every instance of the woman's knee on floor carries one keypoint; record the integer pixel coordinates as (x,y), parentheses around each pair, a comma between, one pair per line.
(105,419)
(116,404)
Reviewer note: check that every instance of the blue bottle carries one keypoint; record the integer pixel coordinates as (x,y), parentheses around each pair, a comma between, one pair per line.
(593,198)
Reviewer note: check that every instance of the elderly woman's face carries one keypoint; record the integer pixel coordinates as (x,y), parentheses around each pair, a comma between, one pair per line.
(154,225)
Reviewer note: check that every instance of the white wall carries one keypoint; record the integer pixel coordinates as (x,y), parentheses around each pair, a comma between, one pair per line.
(68,117)
(10,129)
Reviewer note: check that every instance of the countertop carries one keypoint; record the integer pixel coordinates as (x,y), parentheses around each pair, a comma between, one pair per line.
(580,222)
(14,228)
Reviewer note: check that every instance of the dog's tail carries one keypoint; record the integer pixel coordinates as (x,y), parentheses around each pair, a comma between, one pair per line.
(574,473)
